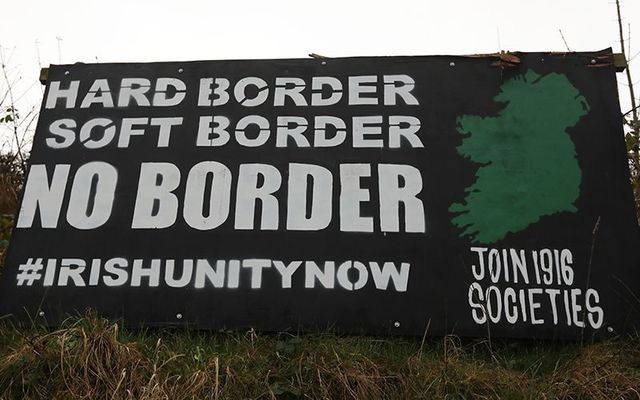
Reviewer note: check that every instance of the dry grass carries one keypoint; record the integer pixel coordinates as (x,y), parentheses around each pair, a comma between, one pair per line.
(91,358)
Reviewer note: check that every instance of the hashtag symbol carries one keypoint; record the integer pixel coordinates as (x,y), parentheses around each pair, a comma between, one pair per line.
(29,272)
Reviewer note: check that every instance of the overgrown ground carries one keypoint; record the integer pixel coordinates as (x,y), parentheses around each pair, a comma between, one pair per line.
(90,358)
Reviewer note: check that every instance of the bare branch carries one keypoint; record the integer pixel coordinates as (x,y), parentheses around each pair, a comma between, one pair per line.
(630,111)
(634,148)
(564,40)
(629,37)
(12,109)
(628,70)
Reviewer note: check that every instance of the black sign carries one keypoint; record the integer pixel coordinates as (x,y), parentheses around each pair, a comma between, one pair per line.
(461,195)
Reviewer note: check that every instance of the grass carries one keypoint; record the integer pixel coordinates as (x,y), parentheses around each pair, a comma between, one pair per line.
(92,358)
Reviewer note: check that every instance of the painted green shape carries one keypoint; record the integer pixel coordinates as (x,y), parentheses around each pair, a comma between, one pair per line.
(528,161)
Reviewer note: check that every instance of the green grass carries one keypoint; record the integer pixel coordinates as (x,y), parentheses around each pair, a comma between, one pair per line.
(91,358)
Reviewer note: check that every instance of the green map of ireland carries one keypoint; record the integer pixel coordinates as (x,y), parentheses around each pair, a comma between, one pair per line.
(528,167)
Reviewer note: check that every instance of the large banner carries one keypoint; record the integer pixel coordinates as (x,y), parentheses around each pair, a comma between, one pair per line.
(467,195)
